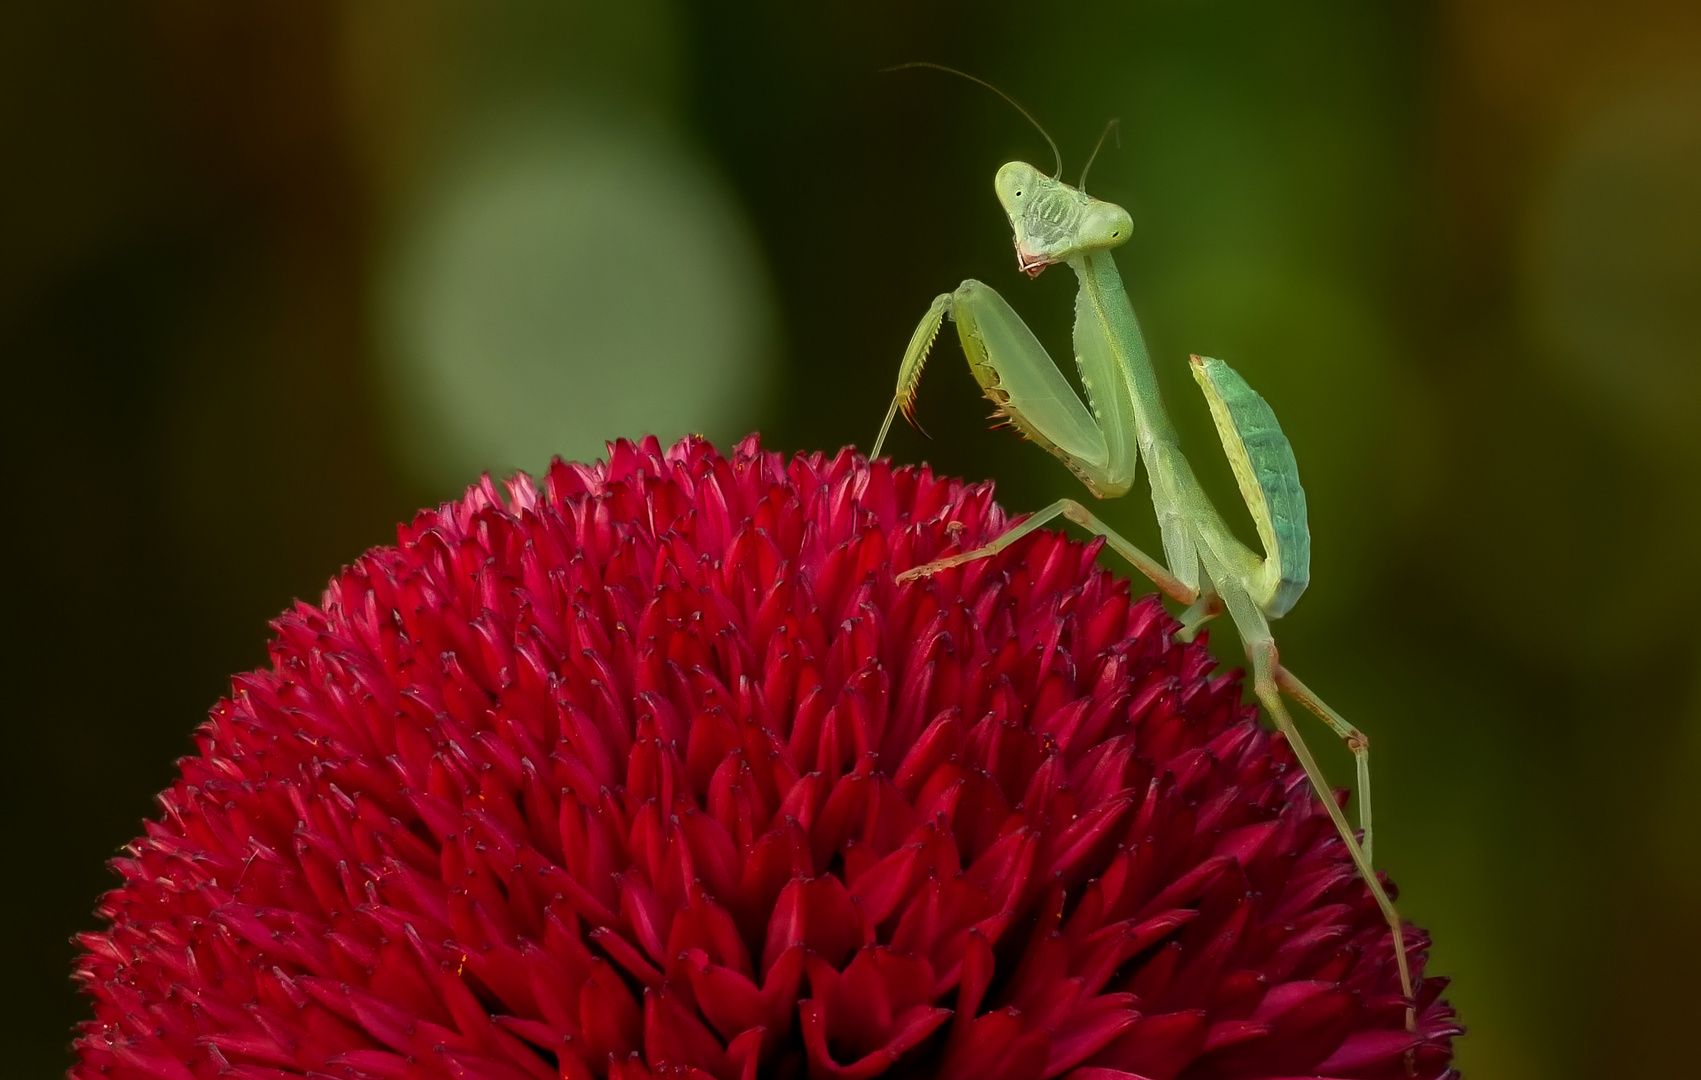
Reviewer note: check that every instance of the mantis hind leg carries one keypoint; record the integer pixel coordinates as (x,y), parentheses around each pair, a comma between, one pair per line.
(1359,744)
(1357,741)
(1168,583)
(1269,679)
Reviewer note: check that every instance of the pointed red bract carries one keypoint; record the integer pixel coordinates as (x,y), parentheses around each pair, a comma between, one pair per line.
(654,770)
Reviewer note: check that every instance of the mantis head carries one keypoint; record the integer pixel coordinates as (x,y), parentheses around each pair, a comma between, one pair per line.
(1054,222)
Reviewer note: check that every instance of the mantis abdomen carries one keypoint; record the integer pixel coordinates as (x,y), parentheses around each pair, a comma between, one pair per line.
(1268,476)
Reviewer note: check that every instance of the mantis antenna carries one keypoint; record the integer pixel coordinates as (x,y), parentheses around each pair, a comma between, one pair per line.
(1114,124)
(1055,153)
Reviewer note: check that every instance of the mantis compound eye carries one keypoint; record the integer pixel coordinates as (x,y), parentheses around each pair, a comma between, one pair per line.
(1015,182)
(1105,225)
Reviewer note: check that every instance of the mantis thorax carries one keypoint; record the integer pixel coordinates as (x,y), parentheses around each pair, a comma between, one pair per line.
(1054,222)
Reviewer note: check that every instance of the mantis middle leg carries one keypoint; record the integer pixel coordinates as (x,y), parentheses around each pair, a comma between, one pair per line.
(1167,583)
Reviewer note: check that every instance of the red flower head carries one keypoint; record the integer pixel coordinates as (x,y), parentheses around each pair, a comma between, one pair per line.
(654,771)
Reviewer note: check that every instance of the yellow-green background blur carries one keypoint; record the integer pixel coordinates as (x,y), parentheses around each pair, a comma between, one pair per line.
(274,274)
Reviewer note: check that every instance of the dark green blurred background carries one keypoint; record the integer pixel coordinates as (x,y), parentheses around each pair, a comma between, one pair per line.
(274,274)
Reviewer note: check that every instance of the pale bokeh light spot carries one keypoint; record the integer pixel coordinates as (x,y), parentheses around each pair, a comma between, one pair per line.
(570,280)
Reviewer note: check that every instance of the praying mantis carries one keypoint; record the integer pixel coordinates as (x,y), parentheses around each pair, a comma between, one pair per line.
(1208,568)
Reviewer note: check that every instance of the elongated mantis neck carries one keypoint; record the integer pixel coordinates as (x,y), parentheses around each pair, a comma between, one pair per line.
(1113,354)
(1117,360)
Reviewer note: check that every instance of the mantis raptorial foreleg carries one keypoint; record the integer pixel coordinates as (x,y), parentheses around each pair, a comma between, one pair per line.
(1124,422)
(1020,378)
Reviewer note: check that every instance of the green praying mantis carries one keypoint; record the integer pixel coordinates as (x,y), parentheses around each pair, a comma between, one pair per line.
(1208,568)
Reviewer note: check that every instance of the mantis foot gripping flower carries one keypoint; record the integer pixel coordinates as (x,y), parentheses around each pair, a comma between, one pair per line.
(654,770)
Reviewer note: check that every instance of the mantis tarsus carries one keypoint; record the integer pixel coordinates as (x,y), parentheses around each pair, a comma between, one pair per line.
(1209,569)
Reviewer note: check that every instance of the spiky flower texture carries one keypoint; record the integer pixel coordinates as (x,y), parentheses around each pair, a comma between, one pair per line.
(653,771)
